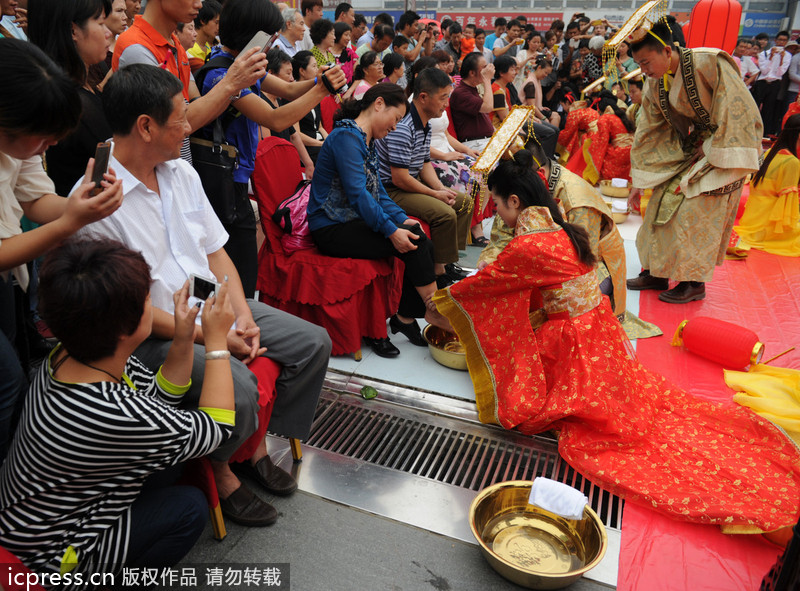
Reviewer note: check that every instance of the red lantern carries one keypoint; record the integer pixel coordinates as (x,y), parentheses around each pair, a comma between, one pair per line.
(725,343)
(714,23)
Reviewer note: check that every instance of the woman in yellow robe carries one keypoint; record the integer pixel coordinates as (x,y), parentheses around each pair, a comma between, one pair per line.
(771,219)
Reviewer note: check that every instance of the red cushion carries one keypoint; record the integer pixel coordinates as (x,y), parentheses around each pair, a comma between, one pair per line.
(15,574)
(306,279)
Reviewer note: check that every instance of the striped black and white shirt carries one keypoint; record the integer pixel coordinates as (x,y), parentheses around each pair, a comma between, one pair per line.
(408,146)
(78,461)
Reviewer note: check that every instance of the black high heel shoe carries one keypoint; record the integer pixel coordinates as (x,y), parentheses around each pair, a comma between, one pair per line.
(411,331)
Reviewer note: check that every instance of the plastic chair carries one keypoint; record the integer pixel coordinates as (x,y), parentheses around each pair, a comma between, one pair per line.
(350,298)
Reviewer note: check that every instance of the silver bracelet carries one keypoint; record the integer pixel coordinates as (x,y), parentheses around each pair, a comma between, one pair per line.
(211,355)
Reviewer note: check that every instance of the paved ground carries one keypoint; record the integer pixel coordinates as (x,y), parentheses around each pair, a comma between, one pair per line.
(331,547)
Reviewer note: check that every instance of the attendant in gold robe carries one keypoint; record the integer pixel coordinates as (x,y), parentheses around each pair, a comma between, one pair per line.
(698,135)
(771,219)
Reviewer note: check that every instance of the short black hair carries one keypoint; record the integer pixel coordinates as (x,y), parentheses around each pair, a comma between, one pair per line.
(470,64)
(40,99)
(399,40)
(91,293)
(431,81)
(242,19)
(409,17)
(557,25)
(359,20)
(276,57)
(455,29)
(573,25)
(741,40)
(445,24)
(503,64)
(305,6)
(384,18)
(341,9)
(382,31)
(763,36)
(514,23)
(479,32)
(500,22)
(472,26)
(208,12)
(139,89)
(660,32)
(339,29)
(782,34)
(319,30)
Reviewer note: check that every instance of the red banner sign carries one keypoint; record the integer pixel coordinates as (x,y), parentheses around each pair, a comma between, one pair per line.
(485,20)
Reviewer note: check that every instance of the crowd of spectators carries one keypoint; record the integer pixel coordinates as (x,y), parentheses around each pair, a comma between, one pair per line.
(89,71)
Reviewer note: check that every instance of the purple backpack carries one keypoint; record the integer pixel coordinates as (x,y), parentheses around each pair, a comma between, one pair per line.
(292,218)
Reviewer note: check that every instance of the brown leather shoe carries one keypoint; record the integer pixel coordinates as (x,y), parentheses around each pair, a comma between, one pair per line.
(245,508)
(276,480)
(646,281)
(684,292)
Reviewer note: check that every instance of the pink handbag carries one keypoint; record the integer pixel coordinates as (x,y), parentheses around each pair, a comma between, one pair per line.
(292,217)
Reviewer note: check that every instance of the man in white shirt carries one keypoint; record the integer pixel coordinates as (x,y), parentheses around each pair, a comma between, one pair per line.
(773,63)
(292,32)
(380,19)
(166,216)
(742,56)
(312,12)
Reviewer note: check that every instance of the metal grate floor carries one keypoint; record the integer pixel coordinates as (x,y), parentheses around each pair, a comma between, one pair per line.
(444,449)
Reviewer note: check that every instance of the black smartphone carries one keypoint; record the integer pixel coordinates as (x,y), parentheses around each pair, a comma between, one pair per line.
(101,156)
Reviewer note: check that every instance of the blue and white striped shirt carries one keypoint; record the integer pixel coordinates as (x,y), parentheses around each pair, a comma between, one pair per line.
(408,146)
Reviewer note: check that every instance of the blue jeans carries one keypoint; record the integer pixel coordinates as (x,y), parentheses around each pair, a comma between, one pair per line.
(12,378)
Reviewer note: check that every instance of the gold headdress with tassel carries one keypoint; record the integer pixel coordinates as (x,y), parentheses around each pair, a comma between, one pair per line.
(505,141)
(634,29)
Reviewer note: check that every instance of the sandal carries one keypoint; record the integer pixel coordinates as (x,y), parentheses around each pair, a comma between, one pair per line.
(479,241)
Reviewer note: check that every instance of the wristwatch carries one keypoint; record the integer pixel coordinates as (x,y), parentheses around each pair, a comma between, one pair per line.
(236,97)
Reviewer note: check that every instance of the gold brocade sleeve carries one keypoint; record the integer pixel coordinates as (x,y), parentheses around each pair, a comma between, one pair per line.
(480,371)
(500,237)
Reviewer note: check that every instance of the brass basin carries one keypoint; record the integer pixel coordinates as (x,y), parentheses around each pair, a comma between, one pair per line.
(530,546)
(438,339)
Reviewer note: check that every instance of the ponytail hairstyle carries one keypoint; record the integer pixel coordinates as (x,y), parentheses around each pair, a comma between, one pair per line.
(607,99)
(391,62)
(300,61)
(787,140)
(422,63)
(369,58)
(516,177)
(543,62)
(392,95)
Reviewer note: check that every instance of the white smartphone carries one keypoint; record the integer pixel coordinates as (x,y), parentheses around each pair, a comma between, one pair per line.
(202,288)
(262,40)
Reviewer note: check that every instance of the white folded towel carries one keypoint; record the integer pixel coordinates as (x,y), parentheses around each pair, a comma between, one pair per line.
(558,498)
(619,205)
(619,183)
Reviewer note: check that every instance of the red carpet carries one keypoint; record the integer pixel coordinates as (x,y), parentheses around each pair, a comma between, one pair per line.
(761,293)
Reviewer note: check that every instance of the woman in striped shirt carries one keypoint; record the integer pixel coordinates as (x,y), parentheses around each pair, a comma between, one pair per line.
(97,422)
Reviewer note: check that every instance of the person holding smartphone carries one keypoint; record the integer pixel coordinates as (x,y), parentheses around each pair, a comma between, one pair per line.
(39,106)
(97,422)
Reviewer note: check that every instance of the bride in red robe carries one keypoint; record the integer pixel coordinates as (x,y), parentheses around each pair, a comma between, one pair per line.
(622,426)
